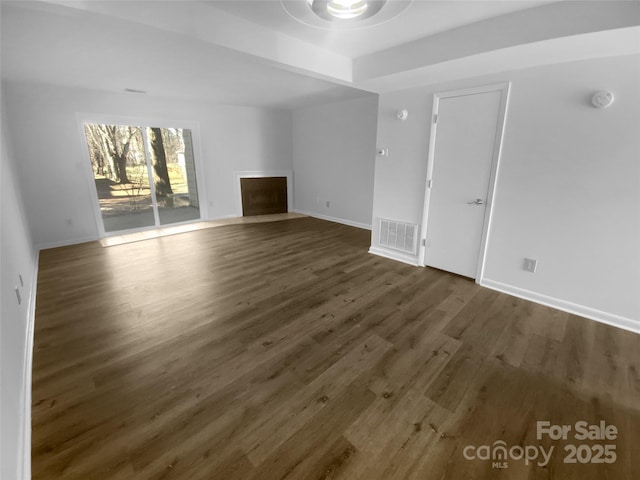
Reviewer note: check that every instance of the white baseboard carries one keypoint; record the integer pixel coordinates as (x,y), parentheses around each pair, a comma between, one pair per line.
(364,226)
(400,257)
(222,217)
(66,243)
(581,310)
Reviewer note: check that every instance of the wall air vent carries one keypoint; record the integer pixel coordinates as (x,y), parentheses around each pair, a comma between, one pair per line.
(398,236)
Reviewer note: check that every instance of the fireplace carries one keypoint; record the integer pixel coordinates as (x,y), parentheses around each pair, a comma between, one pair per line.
(259,198)
(263,195)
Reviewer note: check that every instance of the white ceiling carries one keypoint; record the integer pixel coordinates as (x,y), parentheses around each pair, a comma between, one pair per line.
(78,49)
(421,18)
(253,53)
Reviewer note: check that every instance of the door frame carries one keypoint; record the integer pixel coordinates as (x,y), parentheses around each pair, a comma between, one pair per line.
(505,89)
(107,119)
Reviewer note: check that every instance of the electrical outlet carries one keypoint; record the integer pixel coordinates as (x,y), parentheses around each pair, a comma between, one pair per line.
(530,265)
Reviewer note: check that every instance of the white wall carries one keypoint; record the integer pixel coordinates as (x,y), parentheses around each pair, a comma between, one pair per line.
(17,256)
(333,160)
(51,153)
(568,190)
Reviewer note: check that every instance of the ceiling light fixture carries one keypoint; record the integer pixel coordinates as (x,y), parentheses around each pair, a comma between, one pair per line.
(334,15)
(345,10)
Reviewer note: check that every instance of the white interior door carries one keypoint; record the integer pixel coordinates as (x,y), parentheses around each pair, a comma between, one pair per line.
(464,152)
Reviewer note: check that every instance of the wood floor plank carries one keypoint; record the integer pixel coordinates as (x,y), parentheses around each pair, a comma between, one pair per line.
(299,409)
(452,383)
(297,458)
(284,350)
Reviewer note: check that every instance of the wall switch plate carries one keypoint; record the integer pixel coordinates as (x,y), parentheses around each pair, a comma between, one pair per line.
(530,265)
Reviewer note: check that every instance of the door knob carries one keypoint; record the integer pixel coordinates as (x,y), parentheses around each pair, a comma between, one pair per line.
(477,201)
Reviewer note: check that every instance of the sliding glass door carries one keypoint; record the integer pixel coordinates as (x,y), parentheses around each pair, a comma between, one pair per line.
(145,176)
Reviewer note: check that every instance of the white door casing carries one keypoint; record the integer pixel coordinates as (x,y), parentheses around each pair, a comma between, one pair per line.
(464,153)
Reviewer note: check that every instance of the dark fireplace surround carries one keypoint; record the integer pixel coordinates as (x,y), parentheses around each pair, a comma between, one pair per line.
(263,195)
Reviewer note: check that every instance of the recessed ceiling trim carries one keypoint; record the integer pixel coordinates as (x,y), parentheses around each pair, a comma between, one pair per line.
(315,14)
(610,43)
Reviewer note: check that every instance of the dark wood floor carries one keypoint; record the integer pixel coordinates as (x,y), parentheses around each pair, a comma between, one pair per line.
(285,350)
